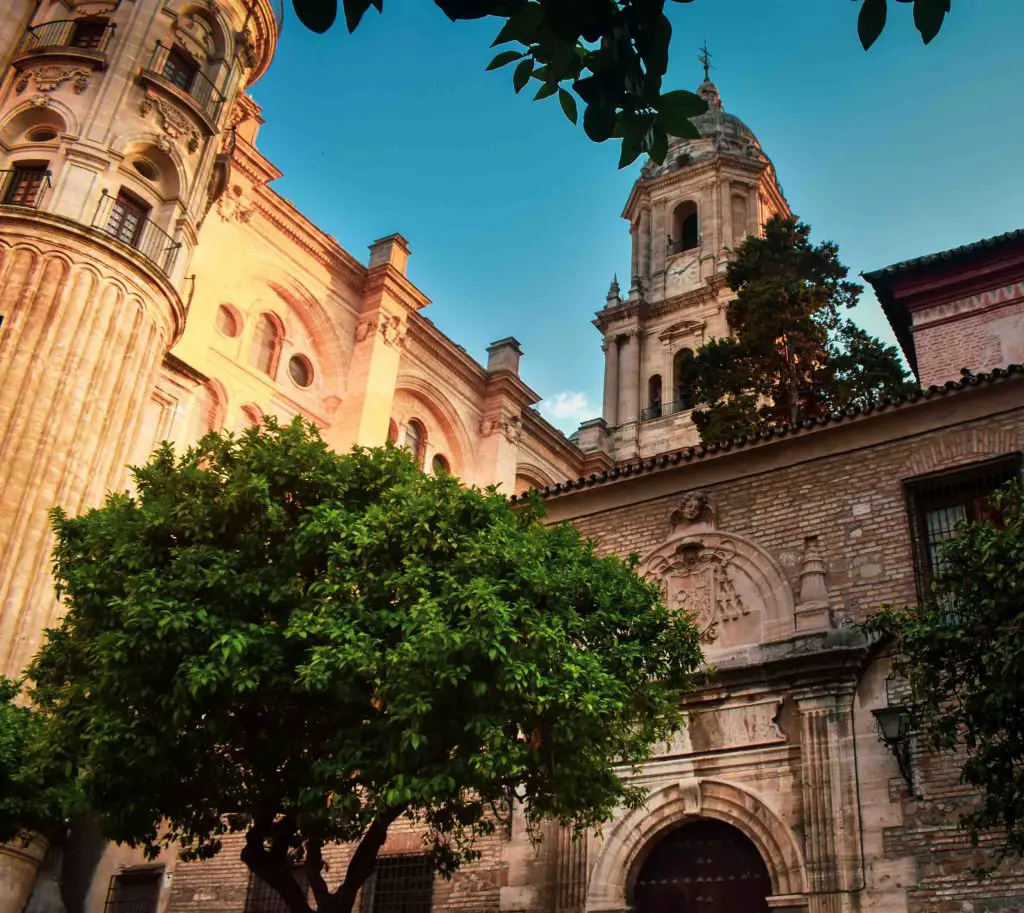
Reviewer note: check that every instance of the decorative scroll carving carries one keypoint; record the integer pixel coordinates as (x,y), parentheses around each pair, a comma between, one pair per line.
(508,425)
(234,205)
(392,332)
(51,77)
(174,123)
(366,328)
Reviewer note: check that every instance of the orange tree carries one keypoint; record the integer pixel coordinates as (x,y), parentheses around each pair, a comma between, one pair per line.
(302,647)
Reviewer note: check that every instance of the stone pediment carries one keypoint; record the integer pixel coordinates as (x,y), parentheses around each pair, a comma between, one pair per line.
(732,588)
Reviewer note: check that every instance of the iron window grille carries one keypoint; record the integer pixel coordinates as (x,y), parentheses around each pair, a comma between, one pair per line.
(937,503)
(262,898)
(90,33)
(184,73)
(134,891)
(399,884)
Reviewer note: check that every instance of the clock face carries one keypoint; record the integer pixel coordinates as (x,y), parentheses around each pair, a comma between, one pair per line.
(683,273)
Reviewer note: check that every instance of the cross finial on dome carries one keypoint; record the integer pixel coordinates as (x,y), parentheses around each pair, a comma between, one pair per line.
(705,59)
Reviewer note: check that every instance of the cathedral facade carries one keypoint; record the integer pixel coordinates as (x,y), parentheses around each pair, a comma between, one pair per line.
(154,286)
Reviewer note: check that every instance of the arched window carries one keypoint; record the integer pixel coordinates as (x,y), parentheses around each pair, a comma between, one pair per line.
(685,228)
(682,395)
(266,344)
(228,321)
(440,465)
(415,440)
(654,396)
(703,865)
(252,417)
(209,412)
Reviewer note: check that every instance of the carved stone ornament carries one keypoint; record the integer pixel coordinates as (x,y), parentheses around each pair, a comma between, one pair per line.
(366,328)
(174,123)
(508,425)
(735,592)
(234,205)
(51,77)
(696,509)
(392,332)
(813,613)
(698,581)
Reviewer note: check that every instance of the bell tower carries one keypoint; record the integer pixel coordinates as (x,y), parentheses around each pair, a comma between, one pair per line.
(686,217)
(115,137)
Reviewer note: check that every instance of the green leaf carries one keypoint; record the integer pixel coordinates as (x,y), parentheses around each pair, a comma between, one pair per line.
(599,122)
(568,104)
(545,91)
(354,10)
(659,144)
(505,57)
(521,75)
(928,17)
(316,15)
(632,145)
(681,103)
(871,21)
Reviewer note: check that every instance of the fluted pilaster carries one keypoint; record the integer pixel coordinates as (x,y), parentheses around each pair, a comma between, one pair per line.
(82,339)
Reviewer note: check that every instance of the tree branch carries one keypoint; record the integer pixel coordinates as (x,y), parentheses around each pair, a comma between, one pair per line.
(272,865)
(364,860)
(314,872)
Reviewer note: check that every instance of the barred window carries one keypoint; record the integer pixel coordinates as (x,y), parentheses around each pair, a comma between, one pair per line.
(400,884)
(134,891)
(937,503)
(262,898)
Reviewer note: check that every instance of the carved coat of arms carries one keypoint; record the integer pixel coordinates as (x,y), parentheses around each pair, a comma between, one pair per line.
(697,581)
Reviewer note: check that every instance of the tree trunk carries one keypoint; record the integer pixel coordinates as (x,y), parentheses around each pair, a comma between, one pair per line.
(273,866)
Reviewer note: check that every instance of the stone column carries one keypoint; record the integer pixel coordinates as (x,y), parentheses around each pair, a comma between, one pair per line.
(726,202)
(571,872)
(832,846)
(645,244)
(629,366)
(84,332)
(610,347)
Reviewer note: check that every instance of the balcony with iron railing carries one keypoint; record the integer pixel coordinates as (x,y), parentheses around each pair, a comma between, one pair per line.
(181,76)
(84,38)
(663,410)
(24,186)
(131,225)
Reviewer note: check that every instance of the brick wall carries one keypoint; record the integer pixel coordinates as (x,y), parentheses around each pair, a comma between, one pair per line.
(219,885)
(980,341)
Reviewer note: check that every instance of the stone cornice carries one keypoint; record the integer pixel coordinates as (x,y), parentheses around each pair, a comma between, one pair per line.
(386,280)
(621,313)
(432,341)
(643,189)
(181,368)
(548,437)
(504,385)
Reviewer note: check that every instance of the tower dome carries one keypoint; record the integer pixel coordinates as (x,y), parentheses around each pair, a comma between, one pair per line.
(720,132)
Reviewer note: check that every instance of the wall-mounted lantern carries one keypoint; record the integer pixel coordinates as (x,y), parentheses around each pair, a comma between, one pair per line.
(893,721)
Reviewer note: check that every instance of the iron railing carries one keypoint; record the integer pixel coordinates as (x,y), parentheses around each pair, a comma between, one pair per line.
(83,34)
(196,83)
(130,225)
(660,410)
(23,186)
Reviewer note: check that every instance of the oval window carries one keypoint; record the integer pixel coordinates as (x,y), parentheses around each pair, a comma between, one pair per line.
(440,465)
(300,370)
(41,135)
(147,169)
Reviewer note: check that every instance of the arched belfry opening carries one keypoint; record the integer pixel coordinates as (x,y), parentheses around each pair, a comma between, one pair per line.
(685,228)
(702,866)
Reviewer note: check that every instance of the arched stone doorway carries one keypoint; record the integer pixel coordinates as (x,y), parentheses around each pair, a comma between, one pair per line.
(703,866)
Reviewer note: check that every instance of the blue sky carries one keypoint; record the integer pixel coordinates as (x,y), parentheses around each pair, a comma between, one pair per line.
(513,216)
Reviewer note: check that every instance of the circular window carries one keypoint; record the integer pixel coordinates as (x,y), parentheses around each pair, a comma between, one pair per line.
(227,321)
(440,465)
(300,370)
(41,135)
(147,169)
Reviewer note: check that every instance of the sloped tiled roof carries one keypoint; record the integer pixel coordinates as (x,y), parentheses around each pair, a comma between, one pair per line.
(906,266)
(690,454)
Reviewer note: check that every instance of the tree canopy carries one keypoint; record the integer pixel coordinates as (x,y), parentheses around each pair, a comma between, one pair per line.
(612,55)
(961,653)
(793,354)
(272,639)
(37,790)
